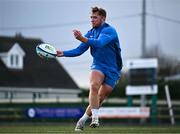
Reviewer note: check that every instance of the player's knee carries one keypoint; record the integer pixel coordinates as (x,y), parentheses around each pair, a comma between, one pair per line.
(94,86)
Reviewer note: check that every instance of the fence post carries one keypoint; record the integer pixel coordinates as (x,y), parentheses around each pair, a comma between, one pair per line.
(130,101)
(34,97)
(11,97)
(154,109)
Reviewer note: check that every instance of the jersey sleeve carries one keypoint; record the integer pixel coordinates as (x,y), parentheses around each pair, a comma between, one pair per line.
(106,36)
(79,50)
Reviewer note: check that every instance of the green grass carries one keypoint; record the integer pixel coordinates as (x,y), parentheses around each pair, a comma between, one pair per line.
(69,129)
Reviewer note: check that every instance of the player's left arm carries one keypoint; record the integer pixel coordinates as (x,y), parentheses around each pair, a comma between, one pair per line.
(78,36)
(106,36)
(77,51)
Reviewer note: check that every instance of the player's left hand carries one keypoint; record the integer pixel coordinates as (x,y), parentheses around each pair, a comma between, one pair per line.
(78,36)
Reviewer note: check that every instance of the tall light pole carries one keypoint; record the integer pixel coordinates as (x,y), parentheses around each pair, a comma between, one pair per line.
(143,29)
(143,97)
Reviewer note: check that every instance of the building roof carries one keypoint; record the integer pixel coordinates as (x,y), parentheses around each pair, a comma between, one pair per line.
(37,72)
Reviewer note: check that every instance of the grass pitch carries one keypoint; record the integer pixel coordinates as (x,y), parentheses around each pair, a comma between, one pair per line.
(69,129)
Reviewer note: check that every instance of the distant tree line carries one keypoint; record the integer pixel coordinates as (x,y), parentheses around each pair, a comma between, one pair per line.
(168,65)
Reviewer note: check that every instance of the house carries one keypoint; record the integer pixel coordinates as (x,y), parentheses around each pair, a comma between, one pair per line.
(23,74)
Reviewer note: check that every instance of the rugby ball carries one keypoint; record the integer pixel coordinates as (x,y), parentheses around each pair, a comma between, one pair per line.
(45,50)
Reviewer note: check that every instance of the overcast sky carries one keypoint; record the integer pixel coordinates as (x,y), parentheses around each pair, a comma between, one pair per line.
(54,20)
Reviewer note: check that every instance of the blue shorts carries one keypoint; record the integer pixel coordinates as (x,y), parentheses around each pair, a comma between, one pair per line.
(111,78)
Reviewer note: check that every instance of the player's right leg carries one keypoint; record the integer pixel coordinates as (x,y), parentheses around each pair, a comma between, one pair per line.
(103,93)
(81,122)
(96,80)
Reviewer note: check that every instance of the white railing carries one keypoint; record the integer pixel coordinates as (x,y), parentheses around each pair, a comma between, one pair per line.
(15,94)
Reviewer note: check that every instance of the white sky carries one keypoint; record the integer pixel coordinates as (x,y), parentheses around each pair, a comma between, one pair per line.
(54,20)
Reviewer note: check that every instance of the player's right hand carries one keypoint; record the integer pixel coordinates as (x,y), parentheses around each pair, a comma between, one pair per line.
(59,53)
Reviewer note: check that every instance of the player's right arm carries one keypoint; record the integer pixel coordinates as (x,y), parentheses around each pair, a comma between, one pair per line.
(73,52)
(77,51)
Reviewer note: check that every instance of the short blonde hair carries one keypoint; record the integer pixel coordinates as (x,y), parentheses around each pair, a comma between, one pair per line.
(100,11)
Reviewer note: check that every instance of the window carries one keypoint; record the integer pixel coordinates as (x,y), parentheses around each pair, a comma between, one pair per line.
(14,57)
(11,60)
(14,61)
(17,60)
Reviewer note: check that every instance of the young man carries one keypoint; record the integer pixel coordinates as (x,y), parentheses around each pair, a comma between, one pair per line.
(104,44)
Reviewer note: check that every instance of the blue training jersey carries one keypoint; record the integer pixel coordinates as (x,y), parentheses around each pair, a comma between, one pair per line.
(104,47)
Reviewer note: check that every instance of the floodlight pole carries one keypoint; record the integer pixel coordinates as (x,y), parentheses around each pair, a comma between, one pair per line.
(143,28)
(143,97)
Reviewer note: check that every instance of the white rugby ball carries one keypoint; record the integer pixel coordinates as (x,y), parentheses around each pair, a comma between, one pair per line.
(45,50)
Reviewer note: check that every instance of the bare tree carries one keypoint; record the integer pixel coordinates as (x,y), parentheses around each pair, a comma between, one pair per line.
(168,65)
